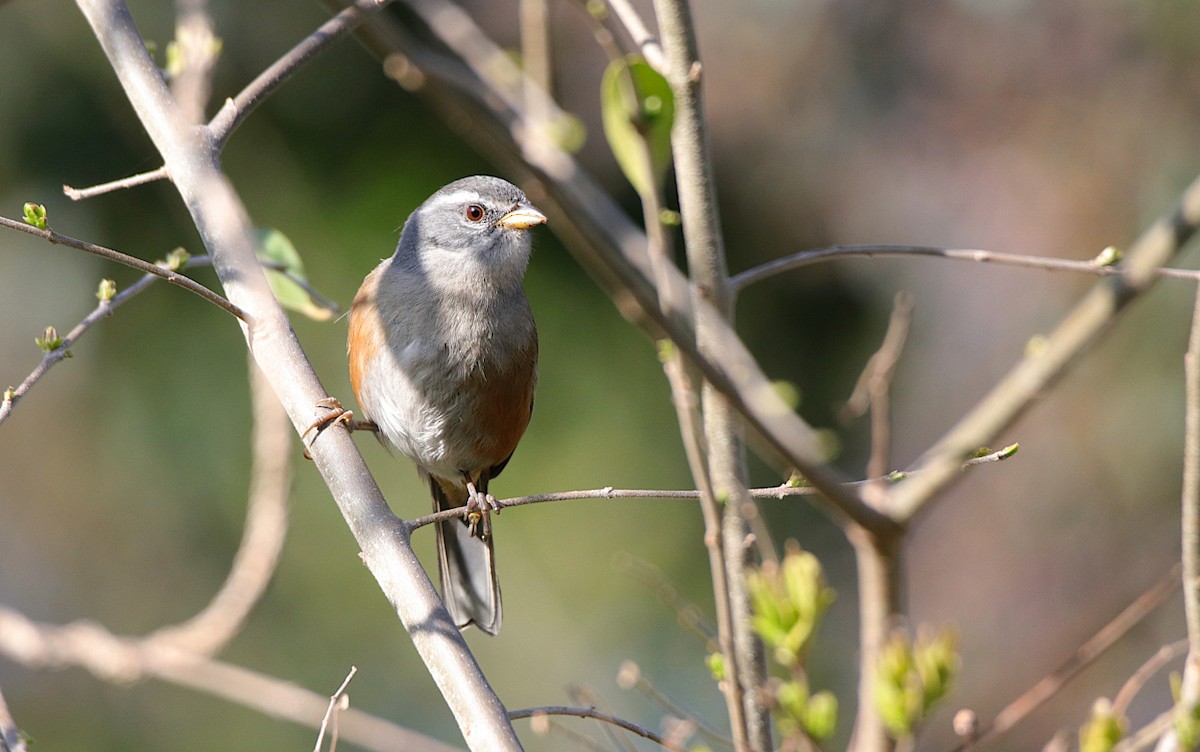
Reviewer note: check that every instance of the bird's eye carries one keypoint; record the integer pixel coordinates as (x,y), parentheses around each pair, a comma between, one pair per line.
(475,213)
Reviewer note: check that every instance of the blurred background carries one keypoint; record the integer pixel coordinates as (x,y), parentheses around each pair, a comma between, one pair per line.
(1038,128)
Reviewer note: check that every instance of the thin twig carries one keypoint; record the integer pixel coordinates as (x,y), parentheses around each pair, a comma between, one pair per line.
(235,110)
(1134,684)
(632,21)
(596,714)
(1046,263)
(101,311)
(782,491)
(75,194)
(1043,690)
(130,261)
(105,309)
(631,674)
(587,696)
(337,703)
(686,613)
(1030,377)
(1148,734)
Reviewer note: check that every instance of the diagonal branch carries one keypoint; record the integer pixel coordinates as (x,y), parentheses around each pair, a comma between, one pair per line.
(224,227)
(131,261)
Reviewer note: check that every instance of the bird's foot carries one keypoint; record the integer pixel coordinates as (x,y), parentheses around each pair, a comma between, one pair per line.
(479,509)
(334,415)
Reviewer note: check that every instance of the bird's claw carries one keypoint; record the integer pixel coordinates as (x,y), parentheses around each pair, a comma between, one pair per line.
(336,414)
(479,509)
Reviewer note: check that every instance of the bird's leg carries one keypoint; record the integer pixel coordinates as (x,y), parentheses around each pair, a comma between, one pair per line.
(337,414)
(479,509)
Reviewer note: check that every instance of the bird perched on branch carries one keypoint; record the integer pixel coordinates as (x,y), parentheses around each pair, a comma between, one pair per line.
(443,360)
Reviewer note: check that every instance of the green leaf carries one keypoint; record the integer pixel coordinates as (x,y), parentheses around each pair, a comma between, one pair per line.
(35,214)
(638,111)
(275,250)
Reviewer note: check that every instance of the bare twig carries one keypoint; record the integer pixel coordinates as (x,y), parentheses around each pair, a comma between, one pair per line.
(632,21)
(234,112)
(1134,684)
(650,576)
(338,702)
(75,194)
(125,259)
(596,714)
(585,695)
(1035,696)
(1046,263)
(1084,324)
(122,659)
(631,675)
(224,226)
(101,311)
(237,109)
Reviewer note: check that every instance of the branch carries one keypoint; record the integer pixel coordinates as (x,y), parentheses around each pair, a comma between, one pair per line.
(224,227)
(127,260)
(235,111)
(1017,710)
(103,310)
(1046,263)
(1030,377)
(122,659)
(597,715)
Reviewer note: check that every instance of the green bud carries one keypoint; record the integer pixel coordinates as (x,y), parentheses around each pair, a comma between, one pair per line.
(670,217)
(896,476)
(1104,729)
(175,260)
(820,716)
(50,341)
(10,394)
(788,392)
(35,214)
(788,601)
(716,666)
(1110,256)
(598,9)
(107,291)
(936,661)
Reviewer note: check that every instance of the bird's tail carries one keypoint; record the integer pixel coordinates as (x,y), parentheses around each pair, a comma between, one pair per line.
(466,563)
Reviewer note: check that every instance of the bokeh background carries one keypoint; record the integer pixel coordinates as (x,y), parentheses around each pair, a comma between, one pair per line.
(1040,128)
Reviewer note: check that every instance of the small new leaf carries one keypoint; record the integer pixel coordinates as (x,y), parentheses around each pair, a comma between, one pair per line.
(285,273)
(35,214)
(716,666)
(50,341)
(638,110)
(9,394)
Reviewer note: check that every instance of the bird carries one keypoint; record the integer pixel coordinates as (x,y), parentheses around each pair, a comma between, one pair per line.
(443,353)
